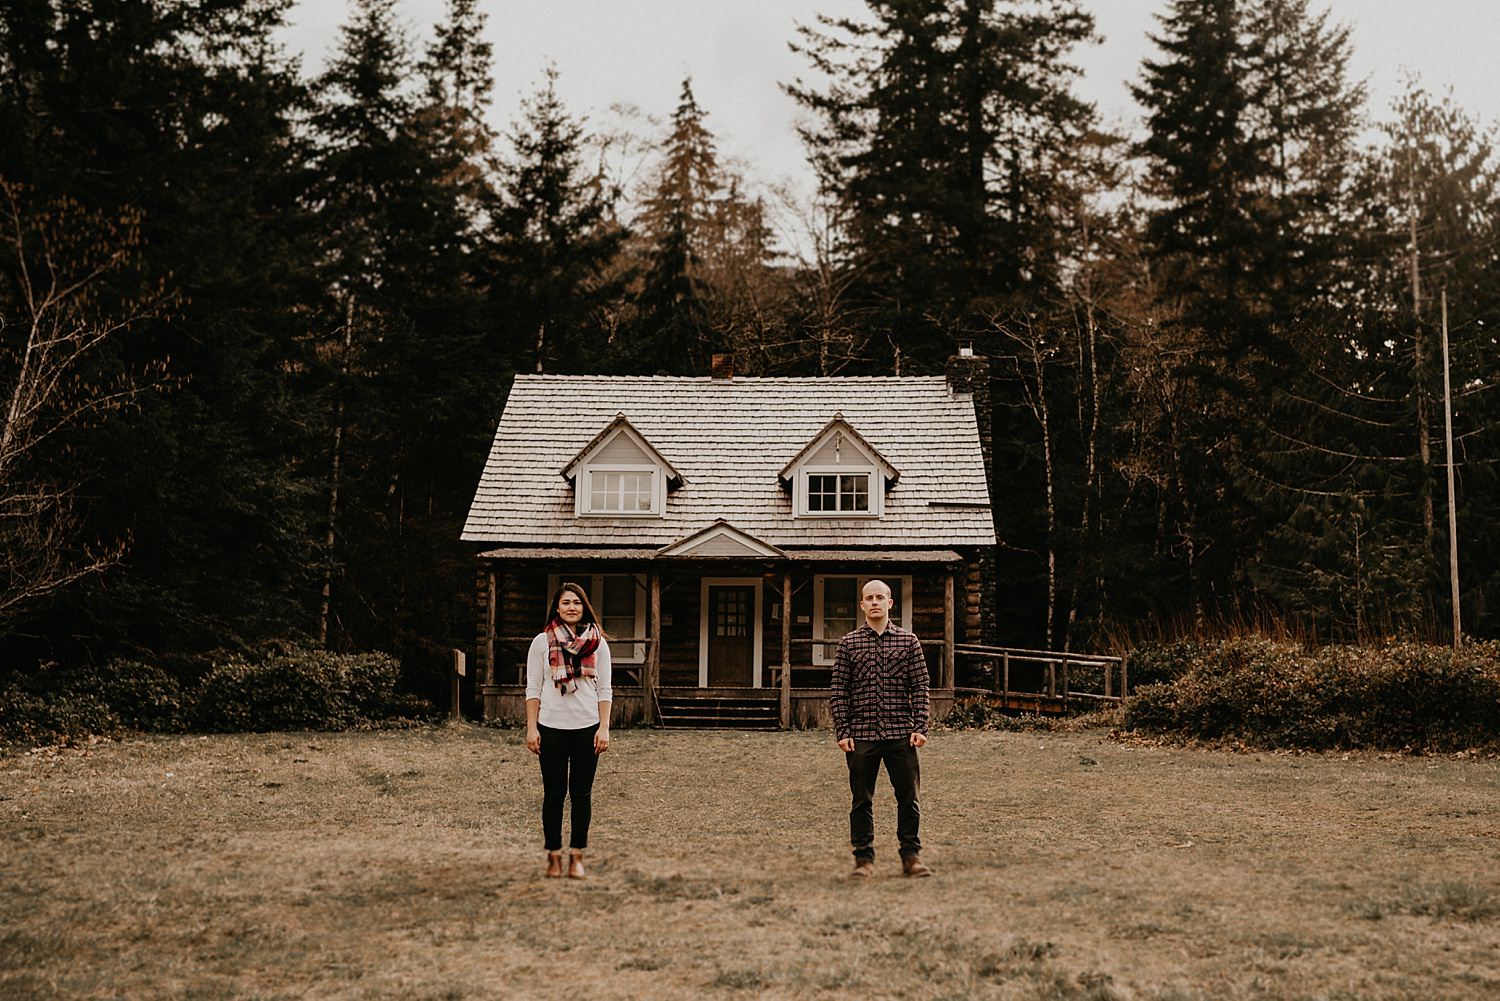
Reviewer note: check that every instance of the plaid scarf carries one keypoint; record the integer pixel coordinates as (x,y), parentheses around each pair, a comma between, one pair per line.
(570,655)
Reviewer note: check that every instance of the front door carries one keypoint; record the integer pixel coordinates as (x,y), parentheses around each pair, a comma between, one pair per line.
(731,635)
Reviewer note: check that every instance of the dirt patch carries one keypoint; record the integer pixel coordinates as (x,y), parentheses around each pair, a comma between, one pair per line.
(408,864)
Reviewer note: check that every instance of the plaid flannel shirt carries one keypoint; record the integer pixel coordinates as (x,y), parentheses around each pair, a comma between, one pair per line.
(879,685)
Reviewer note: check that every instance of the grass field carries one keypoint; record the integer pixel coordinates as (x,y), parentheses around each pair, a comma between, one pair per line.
(408,864)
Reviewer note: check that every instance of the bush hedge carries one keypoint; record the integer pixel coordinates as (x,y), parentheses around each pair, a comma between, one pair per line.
(292,688)
(1404,696)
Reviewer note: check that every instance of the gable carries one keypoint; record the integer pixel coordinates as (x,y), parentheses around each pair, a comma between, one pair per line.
(621,451)
(719,540)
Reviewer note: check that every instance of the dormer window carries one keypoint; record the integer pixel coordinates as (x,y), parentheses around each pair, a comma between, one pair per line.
(828,493)
(620,475)
(838,475)
(621,491)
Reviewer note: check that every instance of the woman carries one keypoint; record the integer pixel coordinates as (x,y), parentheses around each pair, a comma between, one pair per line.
(567,719)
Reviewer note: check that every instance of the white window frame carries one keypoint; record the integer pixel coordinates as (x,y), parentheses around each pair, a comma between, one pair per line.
(583,484)
(595,585)
(872,474)
(583,495)
(823,653)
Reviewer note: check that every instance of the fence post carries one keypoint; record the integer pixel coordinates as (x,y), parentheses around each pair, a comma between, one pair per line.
(460,668)
(1124,676)
(1005,667)
(1065,685)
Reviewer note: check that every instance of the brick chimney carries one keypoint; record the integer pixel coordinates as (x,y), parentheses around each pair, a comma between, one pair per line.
(722,366)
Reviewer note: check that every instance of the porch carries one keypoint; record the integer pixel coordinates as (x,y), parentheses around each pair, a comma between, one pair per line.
(688,632)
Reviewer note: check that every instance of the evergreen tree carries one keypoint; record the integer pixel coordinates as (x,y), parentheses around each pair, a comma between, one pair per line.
(936,133)
(182,114)
(555,239)
(397,198)
(673,332)
(1358,474)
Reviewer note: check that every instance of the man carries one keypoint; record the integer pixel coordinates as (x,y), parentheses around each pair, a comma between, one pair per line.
(880,707)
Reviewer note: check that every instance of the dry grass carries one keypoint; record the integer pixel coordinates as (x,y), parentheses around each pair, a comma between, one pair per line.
(407,864)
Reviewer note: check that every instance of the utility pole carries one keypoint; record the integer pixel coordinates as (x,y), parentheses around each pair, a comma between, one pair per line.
(1452,501)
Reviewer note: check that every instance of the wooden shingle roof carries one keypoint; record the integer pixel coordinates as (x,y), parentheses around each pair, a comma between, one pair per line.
(730,438)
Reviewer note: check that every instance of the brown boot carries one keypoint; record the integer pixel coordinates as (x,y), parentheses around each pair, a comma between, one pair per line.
(864,868)
(575,863)
(554,865)
(912,865)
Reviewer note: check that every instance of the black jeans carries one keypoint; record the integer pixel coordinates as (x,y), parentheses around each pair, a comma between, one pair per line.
(568,765)
(902,768)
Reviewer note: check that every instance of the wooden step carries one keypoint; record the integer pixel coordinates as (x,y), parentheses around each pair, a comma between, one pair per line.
(742,711)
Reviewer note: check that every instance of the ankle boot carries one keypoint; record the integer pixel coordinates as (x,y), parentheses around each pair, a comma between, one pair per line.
(554,864)
(575,863)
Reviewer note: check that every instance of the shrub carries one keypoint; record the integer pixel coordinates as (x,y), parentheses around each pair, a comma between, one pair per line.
(302,689)
(1158,663)
(1274,694)
(66,704)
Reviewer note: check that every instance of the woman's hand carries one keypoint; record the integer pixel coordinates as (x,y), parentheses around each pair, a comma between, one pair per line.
(601,740)
(533,740)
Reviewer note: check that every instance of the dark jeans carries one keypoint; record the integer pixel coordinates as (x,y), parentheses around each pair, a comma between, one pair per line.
(902,768)
(568,764)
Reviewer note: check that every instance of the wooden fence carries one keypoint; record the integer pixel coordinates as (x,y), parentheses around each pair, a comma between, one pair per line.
(1061,670)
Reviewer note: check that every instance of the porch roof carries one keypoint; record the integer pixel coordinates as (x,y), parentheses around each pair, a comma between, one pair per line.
(792,555)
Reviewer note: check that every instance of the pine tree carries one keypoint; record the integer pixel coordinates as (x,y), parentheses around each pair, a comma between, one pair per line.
(555,239)
(1360,460)
(183,114)
(397,198)
(673,331)
(935,134)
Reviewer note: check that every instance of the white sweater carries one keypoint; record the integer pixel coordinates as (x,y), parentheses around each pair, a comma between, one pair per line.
(577,709)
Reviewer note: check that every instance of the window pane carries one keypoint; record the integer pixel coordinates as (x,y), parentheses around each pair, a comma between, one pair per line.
(617,608)
(599,492)
(854,493)
(639,492)
(840,608)
(625,492)
(822,493)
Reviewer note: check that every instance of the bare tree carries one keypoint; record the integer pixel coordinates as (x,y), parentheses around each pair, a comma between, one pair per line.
(62,270)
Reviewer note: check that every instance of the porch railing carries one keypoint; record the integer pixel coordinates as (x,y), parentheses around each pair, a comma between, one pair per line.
(1060,670)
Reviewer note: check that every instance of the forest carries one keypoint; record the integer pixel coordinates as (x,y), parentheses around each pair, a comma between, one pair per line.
(258,324)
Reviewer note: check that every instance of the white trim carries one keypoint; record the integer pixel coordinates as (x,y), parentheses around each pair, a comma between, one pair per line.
(755,582)
(874,486)
(721,529)
(822,656)
(583,492)
(596,598)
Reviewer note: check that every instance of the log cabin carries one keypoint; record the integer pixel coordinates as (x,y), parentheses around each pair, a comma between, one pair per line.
(723,528)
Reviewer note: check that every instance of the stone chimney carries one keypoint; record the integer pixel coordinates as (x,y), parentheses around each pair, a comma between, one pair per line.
(722,367)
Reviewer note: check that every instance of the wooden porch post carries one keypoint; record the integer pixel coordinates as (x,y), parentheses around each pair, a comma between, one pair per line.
(947,679)
(492,600)
(786,649)
(653,654)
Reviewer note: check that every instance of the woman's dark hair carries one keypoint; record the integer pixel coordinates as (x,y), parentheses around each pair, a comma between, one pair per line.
(588,610)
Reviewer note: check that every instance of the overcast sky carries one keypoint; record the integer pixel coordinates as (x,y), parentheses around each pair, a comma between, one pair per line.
(638,51)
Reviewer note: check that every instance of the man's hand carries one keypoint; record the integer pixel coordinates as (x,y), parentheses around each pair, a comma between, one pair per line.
(847,744)
(918,739)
